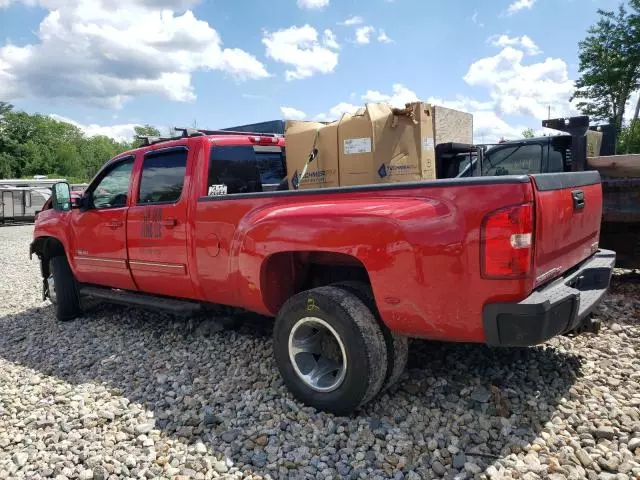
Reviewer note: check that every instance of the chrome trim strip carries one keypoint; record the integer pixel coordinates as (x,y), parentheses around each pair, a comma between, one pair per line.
(155,264)
(97,259)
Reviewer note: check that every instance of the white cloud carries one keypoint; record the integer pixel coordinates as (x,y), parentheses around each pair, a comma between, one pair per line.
(330,40)
(518,5)
(106,52)
(488,127)
(519,89)
(337,111)
(399,96)
(299,47)
(290,113)
(313,4)
(383,38)
(524,41)
(353,20)
(121,133)
(363,34)
(474,19)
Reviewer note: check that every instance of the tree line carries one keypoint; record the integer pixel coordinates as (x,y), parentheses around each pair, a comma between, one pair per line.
(35,144)
(609,65)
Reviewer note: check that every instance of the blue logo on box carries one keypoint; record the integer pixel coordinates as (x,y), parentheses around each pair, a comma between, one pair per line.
(382,171)
(295,180)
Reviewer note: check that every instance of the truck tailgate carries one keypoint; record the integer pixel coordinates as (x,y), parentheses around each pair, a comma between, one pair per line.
(568,216)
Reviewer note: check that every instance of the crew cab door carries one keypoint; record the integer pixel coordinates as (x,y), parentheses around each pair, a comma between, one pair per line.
(99,248)
(157,224)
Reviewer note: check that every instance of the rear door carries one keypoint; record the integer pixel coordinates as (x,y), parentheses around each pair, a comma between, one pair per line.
(157,224)
(568,216)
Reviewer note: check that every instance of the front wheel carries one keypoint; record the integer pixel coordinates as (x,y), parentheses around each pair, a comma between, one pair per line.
(63,291)
(330,350)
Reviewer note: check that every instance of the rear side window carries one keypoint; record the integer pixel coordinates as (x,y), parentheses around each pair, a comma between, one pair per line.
(270,163)
(516,160)
(233,169)
(163,177)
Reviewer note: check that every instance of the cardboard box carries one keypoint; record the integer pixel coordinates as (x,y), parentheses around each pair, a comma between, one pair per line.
(299,139)
(381,144)
(452,125)
(594,143)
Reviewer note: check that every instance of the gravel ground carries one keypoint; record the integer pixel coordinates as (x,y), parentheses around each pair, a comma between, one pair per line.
(129,394)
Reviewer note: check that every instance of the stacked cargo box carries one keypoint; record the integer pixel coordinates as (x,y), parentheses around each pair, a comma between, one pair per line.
(377,144)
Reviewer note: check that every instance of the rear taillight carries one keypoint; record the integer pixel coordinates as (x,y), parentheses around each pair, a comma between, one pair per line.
(506,242)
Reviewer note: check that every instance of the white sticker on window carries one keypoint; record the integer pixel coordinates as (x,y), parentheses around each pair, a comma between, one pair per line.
(216,190)
(427,143)
(357,145)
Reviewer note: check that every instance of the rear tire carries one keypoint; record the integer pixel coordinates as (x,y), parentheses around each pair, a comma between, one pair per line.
(66,298)
(330,327)
(397,345)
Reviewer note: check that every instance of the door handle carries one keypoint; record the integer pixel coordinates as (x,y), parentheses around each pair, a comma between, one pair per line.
(578,199)
(115,224)
(169,222)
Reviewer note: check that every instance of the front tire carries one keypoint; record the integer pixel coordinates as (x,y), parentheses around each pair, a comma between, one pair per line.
(330,350)
(65,291)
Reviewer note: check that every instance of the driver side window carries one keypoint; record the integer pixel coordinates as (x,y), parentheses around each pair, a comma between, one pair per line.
(112,190)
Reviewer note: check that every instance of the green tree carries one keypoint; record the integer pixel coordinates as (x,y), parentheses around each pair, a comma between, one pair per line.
(629,139)
(38,144)
(528,133)
(144,131)
(609,64)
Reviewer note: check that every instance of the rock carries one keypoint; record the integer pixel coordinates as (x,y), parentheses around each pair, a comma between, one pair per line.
(220,467)
(481,394)
(99,473)
(459,460)
(611,464)
(209,417)
(262,440)
(230,436)
(20,459)
(584,457)
(633,444)
(604,432)
(130,461)
(144,428)
(492,472)
(86,475)
(472,468)
(360,456)
(438,468)
(201,448)
(259,459)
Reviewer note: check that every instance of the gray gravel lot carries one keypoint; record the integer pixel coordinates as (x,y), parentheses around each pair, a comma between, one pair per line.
(130,394)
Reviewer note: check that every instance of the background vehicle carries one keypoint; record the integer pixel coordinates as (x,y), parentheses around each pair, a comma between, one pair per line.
(620,229)
(350,273)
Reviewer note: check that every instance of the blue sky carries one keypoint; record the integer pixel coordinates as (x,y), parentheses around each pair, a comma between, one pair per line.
(109,64)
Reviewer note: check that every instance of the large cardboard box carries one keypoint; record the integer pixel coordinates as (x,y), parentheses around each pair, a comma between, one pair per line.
(452,125)
(594,143)
(300,138)
(381,144)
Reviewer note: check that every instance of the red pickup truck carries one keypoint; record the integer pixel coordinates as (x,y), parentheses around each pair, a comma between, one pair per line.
(349,274)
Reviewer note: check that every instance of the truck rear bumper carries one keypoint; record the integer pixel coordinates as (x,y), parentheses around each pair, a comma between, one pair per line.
(554,309)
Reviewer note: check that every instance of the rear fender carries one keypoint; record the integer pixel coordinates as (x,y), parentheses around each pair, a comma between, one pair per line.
(379,234)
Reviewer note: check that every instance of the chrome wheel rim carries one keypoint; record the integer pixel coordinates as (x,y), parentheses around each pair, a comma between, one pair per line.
(317,354)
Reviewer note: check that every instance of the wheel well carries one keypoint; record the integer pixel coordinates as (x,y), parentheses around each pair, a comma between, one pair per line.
(45,248)
(286,273)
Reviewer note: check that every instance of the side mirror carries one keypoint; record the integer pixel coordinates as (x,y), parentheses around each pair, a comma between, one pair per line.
(61,196)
